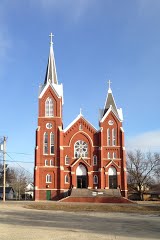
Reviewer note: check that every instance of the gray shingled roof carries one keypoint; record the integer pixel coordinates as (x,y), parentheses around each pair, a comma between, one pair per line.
(110,102)
(51,68)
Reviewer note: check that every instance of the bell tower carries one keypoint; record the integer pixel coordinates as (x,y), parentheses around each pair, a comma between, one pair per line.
(113,158)
(48,133)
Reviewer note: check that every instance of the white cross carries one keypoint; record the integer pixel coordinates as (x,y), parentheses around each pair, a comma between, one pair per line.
(109,84)
(51,36)
(80,111)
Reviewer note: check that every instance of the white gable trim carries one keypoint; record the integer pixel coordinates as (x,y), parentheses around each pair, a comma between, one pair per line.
(70,125)
(107,113)
(79,160)
(45,88)
(58,89)
(112,162)
(75,120)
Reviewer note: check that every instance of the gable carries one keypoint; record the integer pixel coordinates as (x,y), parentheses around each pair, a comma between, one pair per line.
(57,89)
(112,163)
(79,129)
(80,160)
(108,112)
(80,120)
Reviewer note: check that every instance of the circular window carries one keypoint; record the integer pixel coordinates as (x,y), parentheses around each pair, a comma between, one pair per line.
(80,149)
(49,125)
(110,122)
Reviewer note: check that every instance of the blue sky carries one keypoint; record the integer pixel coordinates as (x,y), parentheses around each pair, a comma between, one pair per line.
(93,41)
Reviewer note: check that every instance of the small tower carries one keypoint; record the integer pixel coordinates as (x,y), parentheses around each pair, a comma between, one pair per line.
(48,133)
(113,160)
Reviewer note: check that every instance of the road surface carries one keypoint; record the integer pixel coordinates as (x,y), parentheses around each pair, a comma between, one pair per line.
(17,223)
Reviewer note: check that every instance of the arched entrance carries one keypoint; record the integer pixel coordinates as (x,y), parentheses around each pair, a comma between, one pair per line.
(112,172)
(81,173)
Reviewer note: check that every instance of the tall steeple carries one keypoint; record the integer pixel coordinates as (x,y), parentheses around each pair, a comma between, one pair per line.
(110,100)
(51,74)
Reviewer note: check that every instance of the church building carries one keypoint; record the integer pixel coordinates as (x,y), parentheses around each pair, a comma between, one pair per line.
(79,156)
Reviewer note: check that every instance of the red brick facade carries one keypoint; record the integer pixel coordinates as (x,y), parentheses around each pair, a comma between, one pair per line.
(79,156)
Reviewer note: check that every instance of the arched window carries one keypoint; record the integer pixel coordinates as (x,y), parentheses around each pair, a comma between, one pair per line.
(66,160)
(46,162)
(49,107)
(48,178)
(81,170)
(109,155)
(52,143)
(113,137)
(80,149)
(80,127)
(95,179)
(51,162)
(66,179)
(94,160)
(112,172)
(108,137)
(45,143)
(114,155)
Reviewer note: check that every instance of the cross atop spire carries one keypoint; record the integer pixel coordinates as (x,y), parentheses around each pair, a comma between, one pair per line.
(80,111)
(51,74)
(51,36)
(109,83)
(109,86)
(110,99)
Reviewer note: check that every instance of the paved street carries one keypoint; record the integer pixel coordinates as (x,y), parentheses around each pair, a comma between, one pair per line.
(17,223)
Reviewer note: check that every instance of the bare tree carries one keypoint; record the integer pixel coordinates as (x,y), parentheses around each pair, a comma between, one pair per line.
(9,174)
(157,170)
(17,178)
(19,181)
(141,170)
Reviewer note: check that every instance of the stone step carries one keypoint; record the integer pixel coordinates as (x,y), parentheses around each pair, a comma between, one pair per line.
(95,193)
(96,200)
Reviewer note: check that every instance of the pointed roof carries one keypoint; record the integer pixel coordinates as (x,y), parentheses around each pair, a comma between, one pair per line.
(78,160)
(110,101)
(76,119)
(51,74)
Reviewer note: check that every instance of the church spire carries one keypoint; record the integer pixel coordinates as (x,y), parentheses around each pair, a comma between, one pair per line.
(110,100)
(51,74)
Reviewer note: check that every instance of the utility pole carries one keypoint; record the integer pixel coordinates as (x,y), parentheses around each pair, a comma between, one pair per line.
(4,169)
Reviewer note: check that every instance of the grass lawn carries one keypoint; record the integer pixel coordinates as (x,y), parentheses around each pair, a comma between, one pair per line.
(94,207)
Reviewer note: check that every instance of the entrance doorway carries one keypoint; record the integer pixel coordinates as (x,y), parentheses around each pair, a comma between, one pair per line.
(48,195)
(81,181)
(112,178)
(81,173)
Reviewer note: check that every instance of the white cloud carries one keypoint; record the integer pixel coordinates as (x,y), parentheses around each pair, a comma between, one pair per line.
(148,141)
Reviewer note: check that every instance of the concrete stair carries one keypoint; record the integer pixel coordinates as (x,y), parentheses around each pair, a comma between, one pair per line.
(95,193)
(96,196)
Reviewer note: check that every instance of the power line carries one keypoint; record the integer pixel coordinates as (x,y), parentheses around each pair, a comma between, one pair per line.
(18,161)
(19,164)
(7,160)
(22,153)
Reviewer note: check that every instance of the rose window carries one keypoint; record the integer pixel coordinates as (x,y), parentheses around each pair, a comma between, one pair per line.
(80,149)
